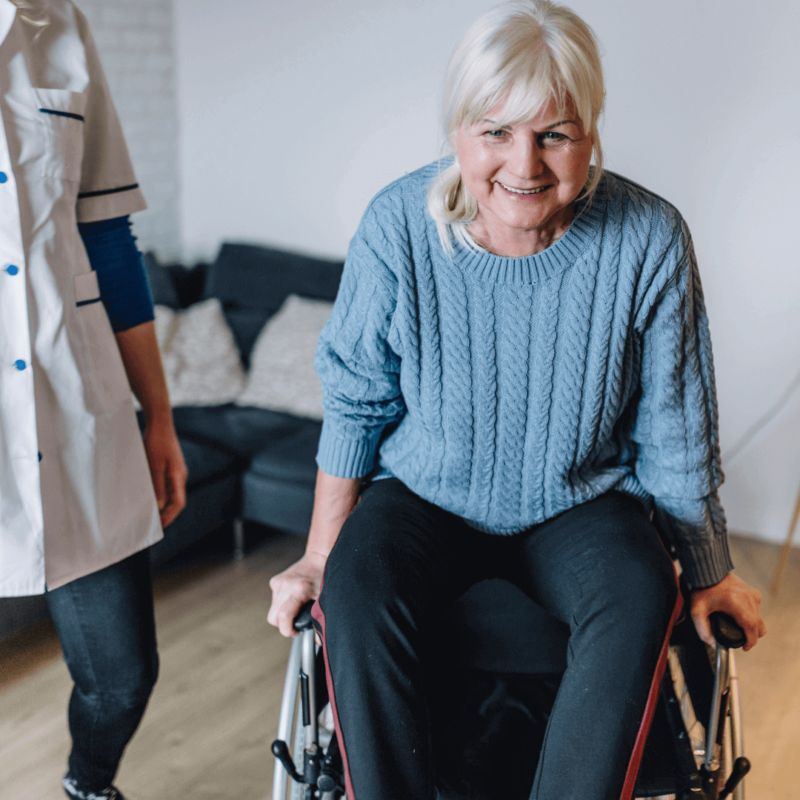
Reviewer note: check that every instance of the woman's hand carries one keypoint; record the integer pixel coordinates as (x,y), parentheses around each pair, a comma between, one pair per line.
(733,596)
(167,468)
(292,588)
(334,499)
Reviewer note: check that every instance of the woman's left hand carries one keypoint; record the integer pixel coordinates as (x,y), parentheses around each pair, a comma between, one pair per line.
(167,468)
(733,596)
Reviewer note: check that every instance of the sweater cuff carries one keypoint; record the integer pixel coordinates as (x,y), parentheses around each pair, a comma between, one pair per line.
(707,564)
(346,457)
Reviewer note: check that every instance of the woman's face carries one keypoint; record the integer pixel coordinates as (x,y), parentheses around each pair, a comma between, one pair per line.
(525,177)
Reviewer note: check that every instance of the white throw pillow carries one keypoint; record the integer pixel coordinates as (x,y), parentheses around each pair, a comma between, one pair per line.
(199,353)
(282,375)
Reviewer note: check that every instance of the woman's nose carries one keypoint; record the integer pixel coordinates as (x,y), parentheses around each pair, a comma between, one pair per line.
(526,160)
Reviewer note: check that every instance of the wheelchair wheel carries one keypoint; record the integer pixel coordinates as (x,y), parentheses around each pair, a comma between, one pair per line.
(298,791)
(731,757)
(719,755)
(295,790)
(306,752)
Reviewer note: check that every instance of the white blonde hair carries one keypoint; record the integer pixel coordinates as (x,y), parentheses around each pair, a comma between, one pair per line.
(526,52)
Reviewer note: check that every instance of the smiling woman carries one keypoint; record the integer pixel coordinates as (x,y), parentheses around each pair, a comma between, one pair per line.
(517,375)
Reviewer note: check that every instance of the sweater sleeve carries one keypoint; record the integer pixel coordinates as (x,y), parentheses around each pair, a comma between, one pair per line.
(359,370)
(114,256)
(678,458)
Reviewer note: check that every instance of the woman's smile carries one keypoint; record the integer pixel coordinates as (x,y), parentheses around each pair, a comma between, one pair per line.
(523,191)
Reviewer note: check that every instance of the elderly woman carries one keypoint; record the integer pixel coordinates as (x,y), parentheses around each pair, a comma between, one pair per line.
(517,378)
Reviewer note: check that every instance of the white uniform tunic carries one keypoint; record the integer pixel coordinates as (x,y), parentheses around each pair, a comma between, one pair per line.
(75,488)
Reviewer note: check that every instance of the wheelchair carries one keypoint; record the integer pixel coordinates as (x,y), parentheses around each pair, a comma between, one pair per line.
(491,697)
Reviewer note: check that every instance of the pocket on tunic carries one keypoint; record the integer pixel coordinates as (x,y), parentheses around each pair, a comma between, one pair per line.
(104,379)
(61,114)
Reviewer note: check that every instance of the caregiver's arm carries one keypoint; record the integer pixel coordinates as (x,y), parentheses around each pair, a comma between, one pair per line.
(121,276)
(142,361)
(334,499)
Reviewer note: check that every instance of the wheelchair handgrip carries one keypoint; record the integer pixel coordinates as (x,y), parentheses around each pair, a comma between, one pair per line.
(726,630)
(303,621)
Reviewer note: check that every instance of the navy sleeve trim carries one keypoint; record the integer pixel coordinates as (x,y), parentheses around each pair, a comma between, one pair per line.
(62,114)
(121,276)
(101,192)
(88,302)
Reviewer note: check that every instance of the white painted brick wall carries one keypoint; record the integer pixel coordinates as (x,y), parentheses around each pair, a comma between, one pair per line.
(136,43)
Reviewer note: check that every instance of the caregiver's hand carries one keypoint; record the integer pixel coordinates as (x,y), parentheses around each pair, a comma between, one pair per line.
(167,468)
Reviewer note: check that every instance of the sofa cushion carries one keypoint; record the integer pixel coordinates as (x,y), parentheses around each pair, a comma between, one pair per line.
(276,503)
(205,460)
(246,324)
(174,285)
(189,282)
(282,375)
(206,463)
(252,283)
(293,459)
(162,288)
(200,356)
(210,508)
(250,276)
(241,431)
(278,488)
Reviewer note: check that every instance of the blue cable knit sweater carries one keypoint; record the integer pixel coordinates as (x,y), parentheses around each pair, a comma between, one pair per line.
(508,390)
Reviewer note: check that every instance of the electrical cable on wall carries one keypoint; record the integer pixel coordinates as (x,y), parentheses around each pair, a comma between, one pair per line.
(750,433)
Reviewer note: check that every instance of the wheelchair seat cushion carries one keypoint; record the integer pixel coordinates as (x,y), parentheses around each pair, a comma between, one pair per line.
(494,626)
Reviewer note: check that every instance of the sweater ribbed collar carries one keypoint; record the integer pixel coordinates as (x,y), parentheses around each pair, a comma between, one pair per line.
(488,267)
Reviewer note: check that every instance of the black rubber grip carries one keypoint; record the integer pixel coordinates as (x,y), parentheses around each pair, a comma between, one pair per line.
(726,630)
(303,620)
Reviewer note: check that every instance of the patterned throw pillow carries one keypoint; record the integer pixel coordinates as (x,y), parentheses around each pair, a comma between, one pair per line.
(282,376)
(201,360)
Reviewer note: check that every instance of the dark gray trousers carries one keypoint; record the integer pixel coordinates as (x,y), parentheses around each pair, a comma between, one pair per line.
(107,631)
(599,567)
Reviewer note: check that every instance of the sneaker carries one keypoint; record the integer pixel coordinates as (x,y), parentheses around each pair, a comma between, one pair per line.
(76,794)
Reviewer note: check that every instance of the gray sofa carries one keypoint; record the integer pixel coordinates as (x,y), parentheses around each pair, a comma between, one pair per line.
(245,464)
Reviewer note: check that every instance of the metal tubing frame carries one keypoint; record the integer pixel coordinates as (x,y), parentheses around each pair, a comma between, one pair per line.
(308,657)
(737,731)
(286,718)
(720,685)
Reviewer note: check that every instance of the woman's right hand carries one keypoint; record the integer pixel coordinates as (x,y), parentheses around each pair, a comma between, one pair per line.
(292,588)
(334,499)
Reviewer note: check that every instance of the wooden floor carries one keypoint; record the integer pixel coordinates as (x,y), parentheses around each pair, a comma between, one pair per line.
(213,714)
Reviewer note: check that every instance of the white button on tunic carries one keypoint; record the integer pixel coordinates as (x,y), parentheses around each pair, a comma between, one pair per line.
(75,488)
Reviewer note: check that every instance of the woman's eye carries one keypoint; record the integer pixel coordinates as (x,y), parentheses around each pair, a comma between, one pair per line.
(498,133)
(551,138)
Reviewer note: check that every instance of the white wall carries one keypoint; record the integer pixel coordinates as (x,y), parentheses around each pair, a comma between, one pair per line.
(136,45)
(294,114)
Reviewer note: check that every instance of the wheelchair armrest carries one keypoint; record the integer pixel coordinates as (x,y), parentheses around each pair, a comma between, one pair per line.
(303,620)
(726,630)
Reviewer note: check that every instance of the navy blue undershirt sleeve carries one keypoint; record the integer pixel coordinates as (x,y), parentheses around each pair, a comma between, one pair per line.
(114,256)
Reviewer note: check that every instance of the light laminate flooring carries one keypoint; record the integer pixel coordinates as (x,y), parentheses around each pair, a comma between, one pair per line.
(213,714)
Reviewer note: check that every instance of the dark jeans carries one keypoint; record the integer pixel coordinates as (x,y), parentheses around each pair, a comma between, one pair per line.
(599,567)
(107,630)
